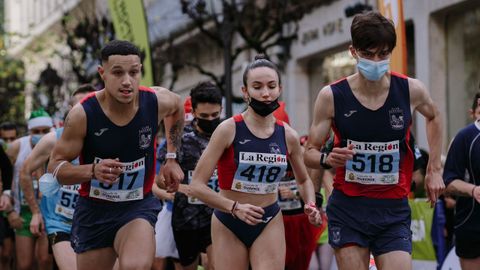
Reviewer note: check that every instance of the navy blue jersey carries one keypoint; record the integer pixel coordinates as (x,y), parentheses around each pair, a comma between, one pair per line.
(462,164)
(251,164)
(383,163)
(133,144)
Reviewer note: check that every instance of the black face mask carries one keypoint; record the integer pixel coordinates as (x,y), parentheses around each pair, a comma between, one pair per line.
(208,126)
(263,109)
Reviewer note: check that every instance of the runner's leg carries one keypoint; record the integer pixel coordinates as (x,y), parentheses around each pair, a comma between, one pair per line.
(268,250)
(64,255)
(234,254)
(135,245)
(101,258)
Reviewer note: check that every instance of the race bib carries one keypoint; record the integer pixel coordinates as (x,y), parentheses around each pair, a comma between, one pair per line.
(259,173)
(212,183)
(128,186)
(374,163)
(23,201)
(66,202)
(289,204)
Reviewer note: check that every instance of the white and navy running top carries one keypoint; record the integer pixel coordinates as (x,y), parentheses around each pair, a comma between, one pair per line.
(133,144)
(251,164)
(463,164)
(383,163)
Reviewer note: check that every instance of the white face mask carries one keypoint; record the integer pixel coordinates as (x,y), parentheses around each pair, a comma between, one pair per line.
(372,70)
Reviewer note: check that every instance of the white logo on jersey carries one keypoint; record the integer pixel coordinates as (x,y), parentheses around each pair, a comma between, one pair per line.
(99,133)
(244,141)
(350,113)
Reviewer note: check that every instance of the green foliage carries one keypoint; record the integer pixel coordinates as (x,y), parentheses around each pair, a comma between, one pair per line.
(12,84)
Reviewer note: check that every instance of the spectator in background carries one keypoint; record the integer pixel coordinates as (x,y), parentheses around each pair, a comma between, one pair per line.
(475,110)
(8,133)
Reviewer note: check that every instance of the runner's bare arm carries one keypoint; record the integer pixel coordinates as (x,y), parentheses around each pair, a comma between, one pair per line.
(221,139)
(304,183)
(170,109)
(421,102)
(37,158)
(68,148)
(295,156)
(322,118)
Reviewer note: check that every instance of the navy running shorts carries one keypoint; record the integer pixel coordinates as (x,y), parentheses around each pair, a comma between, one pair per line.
(381,225)
(95,223)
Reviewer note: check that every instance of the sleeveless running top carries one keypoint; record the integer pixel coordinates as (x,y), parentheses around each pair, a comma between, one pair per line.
(253,165)
(133,144)
(383,163)
(58,209)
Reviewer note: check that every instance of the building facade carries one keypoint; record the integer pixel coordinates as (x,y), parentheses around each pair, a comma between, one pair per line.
(441,36)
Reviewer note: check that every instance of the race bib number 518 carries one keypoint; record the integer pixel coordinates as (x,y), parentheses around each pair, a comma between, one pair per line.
(375,163)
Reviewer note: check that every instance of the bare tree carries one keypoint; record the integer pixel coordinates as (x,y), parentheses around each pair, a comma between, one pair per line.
(261,25)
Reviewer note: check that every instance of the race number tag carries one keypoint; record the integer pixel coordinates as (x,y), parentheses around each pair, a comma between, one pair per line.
(212,183)
(259,173)
(66,202)
(128,186)
(374,163)
(289,204)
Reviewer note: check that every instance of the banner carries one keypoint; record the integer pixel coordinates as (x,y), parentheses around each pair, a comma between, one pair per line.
(130,24)
(422,219)
(393,10)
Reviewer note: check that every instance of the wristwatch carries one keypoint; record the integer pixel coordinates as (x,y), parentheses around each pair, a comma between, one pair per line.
(171,155)
(323,161)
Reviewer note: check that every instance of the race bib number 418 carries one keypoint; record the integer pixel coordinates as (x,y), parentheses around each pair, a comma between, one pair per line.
(375,163)
(259,173)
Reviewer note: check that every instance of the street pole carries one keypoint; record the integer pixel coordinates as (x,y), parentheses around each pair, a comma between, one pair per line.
(227,33)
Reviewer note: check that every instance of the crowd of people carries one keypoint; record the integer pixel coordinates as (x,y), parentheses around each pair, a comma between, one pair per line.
(107,191)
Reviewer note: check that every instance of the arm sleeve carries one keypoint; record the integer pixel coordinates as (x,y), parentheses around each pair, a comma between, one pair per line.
(457,159)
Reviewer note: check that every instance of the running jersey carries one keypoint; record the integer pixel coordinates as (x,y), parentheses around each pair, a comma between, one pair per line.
(462,164)
(253,165)
(133,144)
(23,152)
(189,213)
(58,209)
(383,163)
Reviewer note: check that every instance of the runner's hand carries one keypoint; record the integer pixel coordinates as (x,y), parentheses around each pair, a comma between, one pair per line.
(434,186)
(339,156)
(250,214)
(107,171)
(173,174)
(314,215)
(286,193)
(5,202)
(37,227)
(16,222)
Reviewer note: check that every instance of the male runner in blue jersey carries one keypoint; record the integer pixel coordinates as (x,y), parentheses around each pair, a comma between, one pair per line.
(56,213)
(370,113)
(113,131)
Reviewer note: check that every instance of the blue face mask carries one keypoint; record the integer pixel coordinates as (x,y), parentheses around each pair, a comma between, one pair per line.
(372,70)
(36,138)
